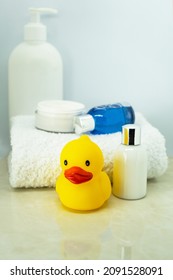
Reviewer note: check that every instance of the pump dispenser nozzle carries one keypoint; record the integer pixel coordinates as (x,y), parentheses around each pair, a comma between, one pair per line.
(35,30)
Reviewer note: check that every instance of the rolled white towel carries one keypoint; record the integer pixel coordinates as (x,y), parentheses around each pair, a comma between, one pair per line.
(34,159)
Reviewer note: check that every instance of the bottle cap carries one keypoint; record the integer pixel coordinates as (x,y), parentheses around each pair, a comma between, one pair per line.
(131,135)
(35,30)
(84,124)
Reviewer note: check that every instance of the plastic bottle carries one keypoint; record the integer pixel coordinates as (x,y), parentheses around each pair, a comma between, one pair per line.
(130,165)
(35,68)
(105,119)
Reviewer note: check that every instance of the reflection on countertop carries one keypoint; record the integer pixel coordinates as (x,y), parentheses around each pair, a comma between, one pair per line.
(35,225)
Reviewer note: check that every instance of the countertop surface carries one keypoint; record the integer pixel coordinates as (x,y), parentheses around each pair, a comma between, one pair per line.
(34,225)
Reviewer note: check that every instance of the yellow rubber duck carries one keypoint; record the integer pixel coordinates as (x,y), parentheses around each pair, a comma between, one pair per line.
(82,185)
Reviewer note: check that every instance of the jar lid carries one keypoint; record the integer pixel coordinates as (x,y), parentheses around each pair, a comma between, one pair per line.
(60,107)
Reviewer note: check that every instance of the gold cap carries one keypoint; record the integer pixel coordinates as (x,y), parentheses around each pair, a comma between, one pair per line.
(131,135)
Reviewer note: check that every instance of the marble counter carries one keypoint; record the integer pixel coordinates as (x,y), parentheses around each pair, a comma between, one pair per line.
(34,224)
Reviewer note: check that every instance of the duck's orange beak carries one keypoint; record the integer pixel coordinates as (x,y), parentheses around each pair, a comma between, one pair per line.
(77,175)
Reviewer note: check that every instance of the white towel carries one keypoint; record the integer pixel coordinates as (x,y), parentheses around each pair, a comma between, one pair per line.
(34,159)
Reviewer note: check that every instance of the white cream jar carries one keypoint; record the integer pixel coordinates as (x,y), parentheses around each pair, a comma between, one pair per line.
(57,115)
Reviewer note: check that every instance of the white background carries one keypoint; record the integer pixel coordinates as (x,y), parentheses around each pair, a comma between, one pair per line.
(112,50)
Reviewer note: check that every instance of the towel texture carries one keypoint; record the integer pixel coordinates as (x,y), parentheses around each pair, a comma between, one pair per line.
(34,158)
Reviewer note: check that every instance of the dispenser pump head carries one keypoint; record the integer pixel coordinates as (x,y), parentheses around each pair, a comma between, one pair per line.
(35,30)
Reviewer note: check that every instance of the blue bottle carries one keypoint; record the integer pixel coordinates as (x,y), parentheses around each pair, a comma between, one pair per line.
(105,119)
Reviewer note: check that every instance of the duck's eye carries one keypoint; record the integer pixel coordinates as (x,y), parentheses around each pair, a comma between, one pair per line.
(65,162)
(87,162)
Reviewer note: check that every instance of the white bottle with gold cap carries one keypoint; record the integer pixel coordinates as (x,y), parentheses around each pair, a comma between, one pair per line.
(130,165)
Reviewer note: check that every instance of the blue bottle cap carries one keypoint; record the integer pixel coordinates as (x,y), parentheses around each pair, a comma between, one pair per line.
(84,123)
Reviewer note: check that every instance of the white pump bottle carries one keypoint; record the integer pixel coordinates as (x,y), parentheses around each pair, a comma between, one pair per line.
(35,68)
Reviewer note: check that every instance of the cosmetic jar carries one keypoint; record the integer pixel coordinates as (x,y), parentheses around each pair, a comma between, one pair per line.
(57,115)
